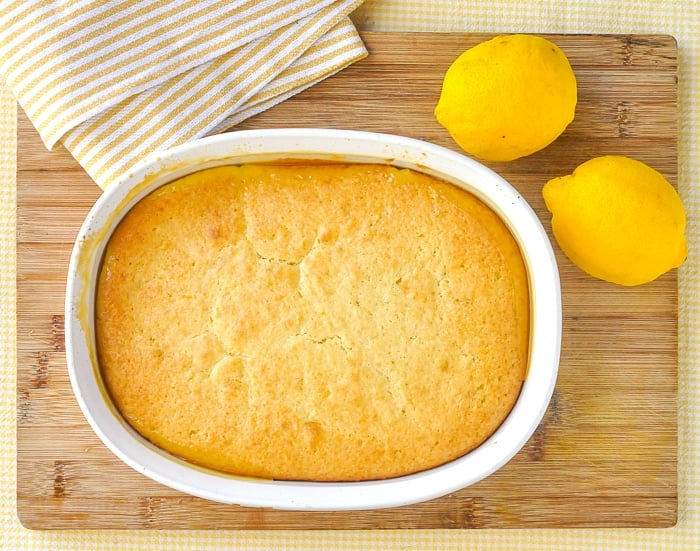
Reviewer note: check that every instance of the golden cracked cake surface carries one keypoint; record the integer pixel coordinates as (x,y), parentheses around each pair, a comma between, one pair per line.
(313,321)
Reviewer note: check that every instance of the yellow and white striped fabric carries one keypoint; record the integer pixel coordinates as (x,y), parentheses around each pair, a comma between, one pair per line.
(116,80)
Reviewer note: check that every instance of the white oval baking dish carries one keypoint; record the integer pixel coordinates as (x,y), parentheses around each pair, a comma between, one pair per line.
(352,146)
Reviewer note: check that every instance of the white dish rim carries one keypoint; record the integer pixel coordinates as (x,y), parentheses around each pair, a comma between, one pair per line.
(325,144)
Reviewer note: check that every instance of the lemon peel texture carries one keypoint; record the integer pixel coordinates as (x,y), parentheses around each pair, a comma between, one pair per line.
(508,97)
(618,219)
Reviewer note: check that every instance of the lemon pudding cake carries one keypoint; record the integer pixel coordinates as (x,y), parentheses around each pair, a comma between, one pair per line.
(311,321)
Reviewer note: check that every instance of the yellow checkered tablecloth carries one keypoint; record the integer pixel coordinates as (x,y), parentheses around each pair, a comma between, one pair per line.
(680,18)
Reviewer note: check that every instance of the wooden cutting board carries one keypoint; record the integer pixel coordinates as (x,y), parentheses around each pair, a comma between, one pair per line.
(605,453)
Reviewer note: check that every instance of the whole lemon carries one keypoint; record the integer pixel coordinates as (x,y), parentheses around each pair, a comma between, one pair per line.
(508,97)
(618,219)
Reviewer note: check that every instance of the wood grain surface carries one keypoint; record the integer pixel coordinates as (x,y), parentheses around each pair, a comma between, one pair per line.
(605,453)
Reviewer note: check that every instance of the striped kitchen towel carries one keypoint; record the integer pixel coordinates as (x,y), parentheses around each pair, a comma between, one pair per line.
(115,80)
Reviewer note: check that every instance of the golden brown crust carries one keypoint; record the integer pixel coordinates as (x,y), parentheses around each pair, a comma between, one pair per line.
(314,322)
